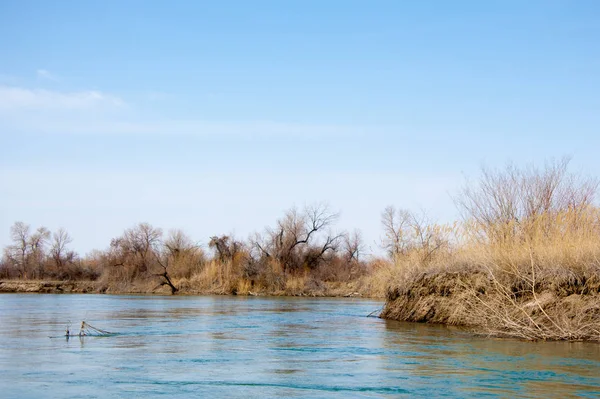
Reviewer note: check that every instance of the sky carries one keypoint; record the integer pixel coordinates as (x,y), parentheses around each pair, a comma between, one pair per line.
(215,117)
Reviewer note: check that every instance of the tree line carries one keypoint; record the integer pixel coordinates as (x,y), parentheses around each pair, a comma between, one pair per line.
(301,241)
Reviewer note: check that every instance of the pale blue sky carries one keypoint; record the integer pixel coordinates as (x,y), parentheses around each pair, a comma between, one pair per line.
(214,117)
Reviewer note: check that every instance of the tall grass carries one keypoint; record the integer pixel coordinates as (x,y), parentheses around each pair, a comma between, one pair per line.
(230,277)
(533,238)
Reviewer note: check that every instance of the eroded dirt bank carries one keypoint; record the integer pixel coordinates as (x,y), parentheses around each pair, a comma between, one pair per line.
(561,309)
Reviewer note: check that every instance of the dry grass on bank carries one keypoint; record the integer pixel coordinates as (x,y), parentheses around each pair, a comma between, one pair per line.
(526,263)
(226,278)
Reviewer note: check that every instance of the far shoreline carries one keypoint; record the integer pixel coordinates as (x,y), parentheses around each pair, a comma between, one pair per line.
(93,287)
(432,306)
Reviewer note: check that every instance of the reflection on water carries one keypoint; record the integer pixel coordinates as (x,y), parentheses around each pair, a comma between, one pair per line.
(505,368)
(267,347)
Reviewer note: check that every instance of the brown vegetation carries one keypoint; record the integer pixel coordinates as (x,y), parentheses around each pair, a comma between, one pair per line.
(41,255)
(299,256)
(524,261)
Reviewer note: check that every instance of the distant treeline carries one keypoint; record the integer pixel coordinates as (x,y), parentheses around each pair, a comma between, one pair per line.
(302,244)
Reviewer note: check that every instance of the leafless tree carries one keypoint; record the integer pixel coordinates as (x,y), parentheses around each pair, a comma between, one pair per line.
(37,245)
(406,233)
(353,246)
(428,237)
(17,252)
(59,252)
(137,247)
(397,230)
(178,243)
(164,259)
(225,247)
(300,237)
(27,252)
(504,200)
(186,257)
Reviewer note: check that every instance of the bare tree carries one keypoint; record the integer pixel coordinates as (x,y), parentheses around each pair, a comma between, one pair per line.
(27,253)
(59,252)
(407,233)
(428,237)
(186,257)
(314,255)
(178,243)
(141,253)
(300,237)
(17,253)
(353,246)
(225,247)
(37,244)
(396,229)
(503,202)
(164,259)
(137,247)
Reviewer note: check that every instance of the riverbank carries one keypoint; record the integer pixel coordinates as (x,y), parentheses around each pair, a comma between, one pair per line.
(48,287)
(336,290)
(560,309)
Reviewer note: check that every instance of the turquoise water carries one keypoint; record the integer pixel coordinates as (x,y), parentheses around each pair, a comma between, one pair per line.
(181,347)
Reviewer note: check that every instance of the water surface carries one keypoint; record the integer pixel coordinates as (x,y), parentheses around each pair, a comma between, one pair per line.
(234,347)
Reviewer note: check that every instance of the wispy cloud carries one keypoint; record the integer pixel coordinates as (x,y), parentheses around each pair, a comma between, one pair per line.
(45,74)
(94,112)
(18,98)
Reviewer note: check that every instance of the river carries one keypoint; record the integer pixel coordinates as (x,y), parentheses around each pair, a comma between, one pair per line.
(252,347)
